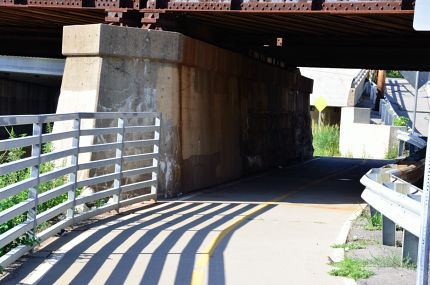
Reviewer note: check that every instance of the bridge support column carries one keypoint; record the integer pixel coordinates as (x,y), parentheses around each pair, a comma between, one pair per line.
(223,114)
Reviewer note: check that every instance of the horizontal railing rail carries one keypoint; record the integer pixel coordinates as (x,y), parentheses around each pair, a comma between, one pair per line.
(103,161)
(399,202)
(411,138)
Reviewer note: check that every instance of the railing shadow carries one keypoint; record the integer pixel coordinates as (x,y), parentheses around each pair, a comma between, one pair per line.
(181,218)
(147,238)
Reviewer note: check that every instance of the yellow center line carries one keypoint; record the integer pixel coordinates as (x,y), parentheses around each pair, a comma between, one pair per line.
(203,260)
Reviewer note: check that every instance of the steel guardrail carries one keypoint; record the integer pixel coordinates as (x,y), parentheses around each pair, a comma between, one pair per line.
(399,202)
(129,147)
(411,139)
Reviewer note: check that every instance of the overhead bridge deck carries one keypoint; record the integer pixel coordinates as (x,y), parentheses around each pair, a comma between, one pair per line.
(331,33)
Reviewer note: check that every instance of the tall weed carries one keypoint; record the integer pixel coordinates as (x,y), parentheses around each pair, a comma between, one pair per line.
(325,140)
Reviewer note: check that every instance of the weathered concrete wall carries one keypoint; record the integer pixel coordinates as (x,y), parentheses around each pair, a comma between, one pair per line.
(223,114)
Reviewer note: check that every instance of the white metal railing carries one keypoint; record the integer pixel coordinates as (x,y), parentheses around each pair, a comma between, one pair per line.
(124,167)
(359,78)
(399,202)
(387,112)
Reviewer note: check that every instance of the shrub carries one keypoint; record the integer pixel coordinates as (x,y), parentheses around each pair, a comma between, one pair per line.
(394,74)
(401,121)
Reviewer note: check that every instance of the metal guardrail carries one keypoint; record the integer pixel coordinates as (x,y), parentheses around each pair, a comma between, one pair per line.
(411,139)
(399,202)
(129,167)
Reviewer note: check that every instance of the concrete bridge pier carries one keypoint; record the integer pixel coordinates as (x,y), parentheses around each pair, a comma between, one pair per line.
(224,115)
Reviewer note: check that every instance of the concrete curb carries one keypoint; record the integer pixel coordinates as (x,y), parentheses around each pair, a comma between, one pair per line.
(338,254)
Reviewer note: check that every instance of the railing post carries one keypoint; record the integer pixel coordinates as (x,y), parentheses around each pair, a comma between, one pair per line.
(73,177)
(401,148)
(36,150)
(388,232)
(156,150)
(410,247)
(118,166)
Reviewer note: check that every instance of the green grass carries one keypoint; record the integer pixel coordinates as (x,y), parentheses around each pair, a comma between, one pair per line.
(351,268)
(392,152)
(325,140)
(394,261)
(351,245)
(358,268)
(374,223)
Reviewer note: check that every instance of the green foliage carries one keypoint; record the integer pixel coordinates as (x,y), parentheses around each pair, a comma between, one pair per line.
(401,121)
(393,74)
(392,152)
(325,140)
(22,174)
(351,245)
(351,268)
(374,222)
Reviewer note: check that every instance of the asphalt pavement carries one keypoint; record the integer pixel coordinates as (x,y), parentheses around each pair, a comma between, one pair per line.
(273,228)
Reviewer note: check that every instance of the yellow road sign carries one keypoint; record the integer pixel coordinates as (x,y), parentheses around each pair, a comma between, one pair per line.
(320,103)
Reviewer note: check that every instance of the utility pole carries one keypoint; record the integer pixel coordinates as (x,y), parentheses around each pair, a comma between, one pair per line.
(380,82)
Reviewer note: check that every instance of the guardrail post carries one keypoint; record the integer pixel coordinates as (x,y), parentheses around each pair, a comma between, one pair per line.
(73,177)
(373,211)
(401,147)
(410,247)
(388,232)
(118,166)
(36,150)
(156,150)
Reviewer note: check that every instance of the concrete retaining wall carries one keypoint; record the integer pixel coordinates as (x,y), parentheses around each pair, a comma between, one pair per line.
(224,115)
(360,139)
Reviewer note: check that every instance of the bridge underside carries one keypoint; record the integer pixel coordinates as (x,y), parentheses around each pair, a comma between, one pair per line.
(372,34)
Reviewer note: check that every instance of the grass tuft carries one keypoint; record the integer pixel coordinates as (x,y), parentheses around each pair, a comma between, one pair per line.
(392,152)
(350,245)
(351,268)
(394,261)
(374,223)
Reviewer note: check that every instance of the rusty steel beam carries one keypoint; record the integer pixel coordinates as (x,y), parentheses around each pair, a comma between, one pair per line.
(223,5)
(145,12)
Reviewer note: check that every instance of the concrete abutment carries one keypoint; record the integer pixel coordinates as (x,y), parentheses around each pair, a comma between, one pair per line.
(224,115)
